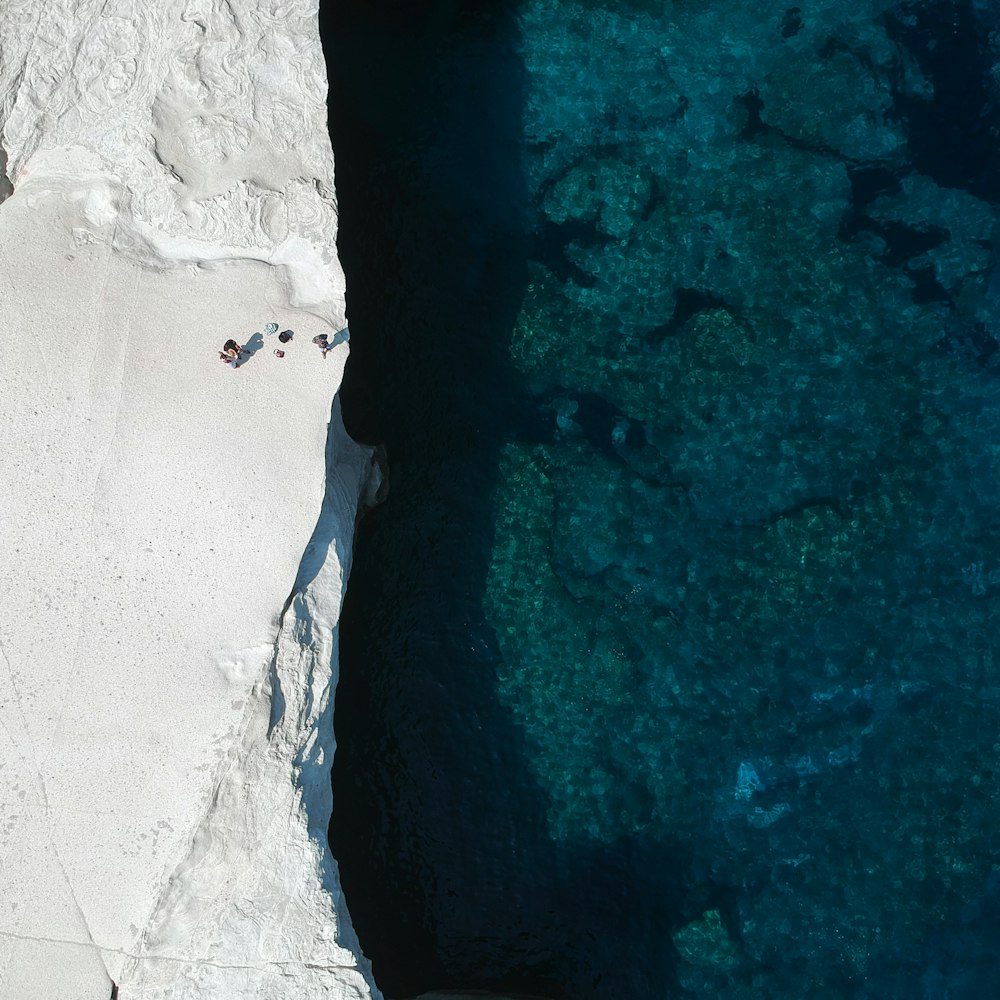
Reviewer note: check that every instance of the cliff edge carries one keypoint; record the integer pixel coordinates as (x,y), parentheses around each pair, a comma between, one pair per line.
(176,532)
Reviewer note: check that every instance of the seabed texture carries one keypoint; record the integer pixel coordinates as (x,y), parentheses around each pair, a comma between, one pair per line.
(722,646)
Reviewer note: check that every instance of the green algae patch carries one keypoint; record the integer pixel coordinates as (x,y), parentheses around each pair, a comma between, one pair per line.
(706,943)
(580,719)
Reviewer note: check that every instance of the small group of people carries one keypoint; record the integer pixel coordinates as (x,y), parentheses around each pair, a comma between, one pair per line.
(232,353)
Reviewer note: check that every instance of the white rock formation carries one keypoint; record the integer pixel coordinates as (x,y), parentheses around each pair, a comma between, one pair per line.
(165,707)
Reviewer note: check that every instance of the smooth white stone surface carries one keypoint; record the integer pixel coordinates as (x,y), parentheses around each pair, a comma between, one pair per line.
(165,728)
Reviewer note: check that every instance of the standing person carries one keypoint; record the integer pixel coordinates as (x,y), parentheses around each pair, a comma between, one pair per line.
(323,343)
(231,353)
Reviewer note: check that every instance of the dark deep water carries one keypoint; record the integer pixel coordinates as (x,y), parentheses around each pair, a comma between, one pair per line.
(668,665)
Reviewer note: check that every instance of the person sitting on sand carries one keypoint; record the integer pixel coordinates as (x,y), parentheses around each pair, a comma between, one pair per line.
(230,353)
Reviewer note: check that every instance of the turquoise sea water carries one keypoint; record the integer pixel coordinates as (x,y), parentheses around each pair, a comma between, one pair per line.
(669,663)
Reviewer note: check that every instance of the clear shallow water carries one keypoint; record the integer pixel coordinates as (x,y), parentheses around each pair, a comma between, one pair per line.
(669,662)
